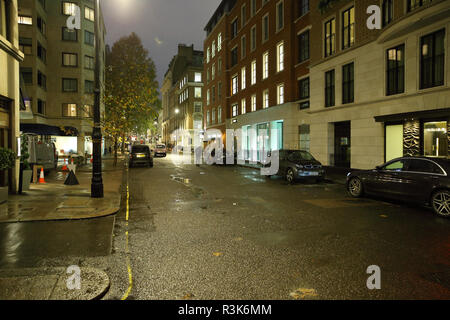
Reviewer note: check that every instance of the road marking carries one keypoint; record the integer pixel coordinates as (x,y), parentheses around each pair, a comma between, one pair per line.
(303,293)
(127,250)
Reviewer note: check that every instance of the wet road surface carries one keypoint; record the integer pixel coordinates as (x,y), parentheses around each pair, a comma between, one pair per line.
(229,233)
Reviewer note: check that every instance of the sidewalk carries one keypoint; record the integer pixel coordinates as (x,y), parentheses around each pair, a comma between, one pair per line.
(51,284)
(56,201)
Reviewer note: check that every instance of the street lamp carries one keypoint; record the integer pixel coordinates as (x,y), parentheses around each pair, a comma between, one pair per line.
(97,180)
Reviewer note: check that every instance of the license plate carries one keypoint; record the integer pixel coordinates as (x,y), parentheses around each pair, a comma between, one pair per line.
(141,155)
(313,173)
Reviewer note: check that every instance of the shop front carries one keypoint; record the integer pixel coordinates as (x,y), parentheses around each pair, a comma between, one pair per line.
(425,133)
(258,139)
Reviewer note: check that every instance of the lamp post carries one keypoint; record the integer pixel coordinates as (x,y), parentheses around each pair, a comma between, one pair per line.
(97,180)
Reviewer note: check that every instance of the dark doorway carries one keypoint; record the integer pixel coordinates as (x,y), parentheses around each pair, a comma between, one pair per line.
(342,144)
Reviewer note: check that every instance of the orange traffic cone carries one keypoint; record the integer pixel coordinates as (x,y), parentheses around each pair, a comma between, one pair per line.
(65,168)
(41,178)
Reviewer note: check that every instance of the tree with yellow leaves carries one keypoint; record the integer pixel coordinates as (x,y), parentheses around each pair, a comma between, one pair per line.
(131,90)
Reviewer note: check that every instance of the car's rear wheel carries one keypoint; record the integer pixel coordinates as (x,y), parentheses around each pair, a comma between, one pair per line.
(290,176)
(355,187)
(441,203)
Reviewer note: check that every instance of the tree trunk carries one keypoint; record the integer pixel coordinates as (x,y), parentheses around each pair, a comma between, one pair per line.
(123,144)
(115,150)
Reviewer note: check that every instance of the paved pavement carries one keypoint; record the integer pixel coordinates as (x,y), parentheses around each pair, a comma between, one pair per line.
(56,201)
(228,233)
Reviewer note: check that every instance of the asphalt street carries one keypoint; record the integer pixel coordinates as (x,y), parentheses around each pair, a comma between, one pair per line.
(213,232)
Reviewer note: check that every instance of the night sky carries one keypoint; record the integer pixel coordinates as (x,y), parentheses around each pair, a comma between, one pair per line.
(161,24)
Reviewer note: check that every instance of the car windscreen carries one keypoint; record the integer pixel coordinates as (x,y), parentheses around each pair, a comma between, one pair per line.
(140,149)
(301,156)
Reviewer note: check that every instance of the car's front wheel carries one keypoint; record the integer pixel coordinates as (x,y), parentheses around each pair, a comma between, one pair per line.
(355,187)
(290,177)
(441,203)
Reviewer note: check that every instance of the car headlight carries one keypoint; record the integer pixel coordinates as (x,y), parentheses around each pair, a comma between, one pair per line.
(299,166)
(348,174)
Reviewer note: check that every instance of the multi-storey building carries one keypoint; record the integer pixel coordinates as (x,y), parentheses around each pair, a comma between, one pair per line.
(182,95)
(10,98)
(59,71)
(377,94)
(257,59)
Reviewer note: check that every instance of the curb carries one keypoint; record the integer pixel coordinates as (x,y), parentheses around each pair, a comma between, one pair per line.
(51,284)
(102,214)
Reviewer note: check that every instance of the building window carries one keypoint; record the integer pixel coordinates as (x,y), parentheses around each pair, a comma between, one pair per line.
(329,88)
(25,20)
(348,28)
(280,57)
(40,107)
(330,37)
(213,116)
(243,106)
(213,49)
(414,4)
(435,139)
(27,75)
(265,65)
(266,99)
(89,62)
(88,86)
(280,15)
(208,96)
(253,7)
(234,85)
(208,118)
(395,77)
(432,61)
(243,47)
(219,115)
(388,12)
(243,79)
(243,15)
(304,90)
(219,66)
(234,56)
(42,26)
(208,55)
(69,59)
(42,80)
(219,42)
(280,94)
(253,72)
(197,92)
(254,103)
(234,110)
(69,8)
(348,83)
(69,85)
(213,71)
(25,46)
(219,90)
(198,77)
(69,110)
(89,14)
(305,139)
(303,46)
(213,89)
(265,28)
(41,52)
(69,35)
(197,107)
(89,38)
(253,38)
(303,7)
(234,28)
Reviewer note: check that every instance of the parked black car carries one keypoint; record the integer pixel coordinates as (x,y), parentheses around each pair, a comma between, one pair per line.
(414,179)
(299,165)
(140,154)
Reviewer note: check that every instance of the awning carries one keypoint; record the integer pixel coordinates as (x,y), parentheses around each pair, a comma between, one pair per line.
(428,114)
(46,130)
